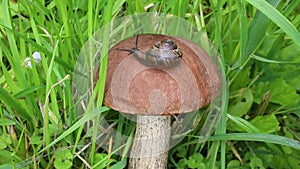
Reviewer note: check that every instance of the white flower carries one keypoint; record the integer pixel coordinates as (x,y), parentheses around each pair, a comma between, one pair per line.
(36,58)
(27,62)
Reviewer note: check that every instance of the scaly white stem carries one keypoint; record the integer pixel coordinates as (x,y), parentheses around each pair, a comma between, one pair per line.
(151,143)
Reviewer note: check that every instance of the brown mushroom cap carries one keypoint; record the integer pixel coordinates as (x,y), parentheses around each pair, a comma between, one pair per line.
(137,89)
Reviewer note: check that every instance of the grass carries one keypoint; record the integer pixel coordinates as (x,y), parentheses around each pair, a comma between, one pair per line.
(258,45)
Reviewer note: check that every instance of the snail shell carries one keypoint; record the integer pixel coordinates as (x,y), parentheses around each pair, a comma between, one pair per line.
(164,54)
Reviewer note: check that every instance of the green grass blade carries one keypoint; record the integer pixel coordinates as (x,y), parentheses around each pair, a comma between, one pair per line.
(117,5)
(28,91)
(13,103)
(102,70)
(8,78)
(243,31)
(267,138)
(214,152)
(245,125)
(262,59)
(15,60)
(87,117)
(277,18)
(257,30)
(218,15)
(40,48)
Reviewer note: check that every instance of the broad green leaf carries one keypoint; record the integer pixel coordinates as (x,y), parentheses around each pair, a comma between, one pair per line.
(289,53)
(233,164)
(266,124)
(119,165)
(5,140)
(63,159)
(293,159)
(182,163)
(195,161)
(256,162)
(36,140)
(241,105)
(286,96)
(181,152)
(280,91)
(242,79)
(5,155)
(7,122)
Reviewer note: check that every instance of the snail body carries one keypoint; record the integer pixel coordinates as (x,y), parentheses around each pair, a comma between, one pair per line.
(164,54)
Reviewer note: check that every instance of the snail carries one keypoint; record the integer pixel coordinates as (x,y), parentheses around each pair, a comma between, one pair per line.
(164,54)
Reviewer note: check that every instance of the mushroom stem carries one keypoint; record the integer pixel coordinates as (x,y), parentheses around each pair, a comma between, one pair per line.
(151,143)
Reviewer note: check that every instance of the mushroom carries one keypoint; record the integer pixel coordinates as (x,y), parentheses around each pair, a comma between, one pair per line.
(155,94)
